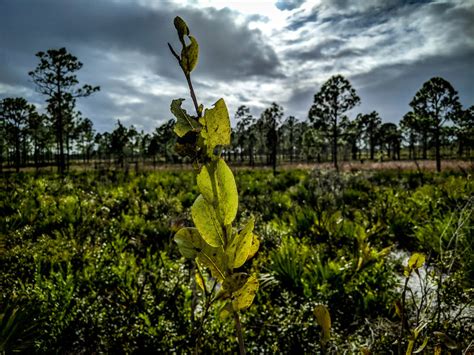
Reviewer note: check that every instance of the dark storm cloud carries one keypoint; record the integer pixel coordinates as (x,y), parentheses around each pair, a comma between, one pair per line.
(117,26)
(386,48)
(389,89)
(300,19)
(107,36)
(330,47)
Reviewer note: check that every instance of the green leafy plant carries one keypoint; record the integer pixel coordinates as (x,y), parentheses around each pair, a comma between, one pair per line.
(213,243)
(415,262)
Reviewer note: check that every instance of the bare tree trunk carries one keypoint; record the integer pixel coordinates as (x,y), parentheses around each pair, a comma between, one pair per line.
(437,149)
(425,144)
(372,146)
(334,147)
(251,155)
(17,155)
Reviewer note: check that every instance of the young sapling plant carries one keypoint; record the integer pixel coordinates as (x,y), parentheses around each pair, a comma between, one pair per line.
(217,246)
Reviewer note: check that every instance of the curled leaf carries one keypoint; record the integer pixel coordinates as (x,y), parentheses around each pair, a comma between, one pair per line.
(189,55)
(184,122)
(181,27)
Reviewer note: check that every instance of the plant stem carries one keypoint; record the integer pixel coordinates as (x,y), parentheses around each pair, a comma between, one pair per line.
(188,79)
(238,328)
(209,301)
(404,325)
(193,94)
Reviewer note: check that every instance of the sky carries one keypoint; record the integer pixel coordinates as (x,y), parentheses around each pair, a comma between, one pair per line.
(252,52)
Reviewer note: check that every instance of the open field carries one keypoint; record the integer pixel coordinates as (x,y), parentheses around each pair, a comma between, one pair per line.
(347,166)
(88,263)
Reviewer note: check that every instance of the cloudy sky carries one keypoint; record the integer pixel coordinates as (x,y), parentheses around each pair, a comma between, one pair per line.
(252,52)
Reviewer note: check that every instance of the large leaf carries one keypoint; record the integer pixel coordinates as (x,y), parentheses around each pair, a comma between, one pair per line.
(234,282)
(217,126)
(324,320)
(243,297)
(207,223)
(254,247)
(190,242)
(214,261)
(227,192)
(189,55)
(184,122)
(192,245)
(241,289)
(227,198)
(239,248)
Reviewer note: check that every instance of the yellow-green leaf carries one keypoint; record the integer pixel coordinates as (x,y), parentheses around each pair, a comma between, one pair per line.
(416,261)
(422,346)
(189,242)
(324,320)
(213,259)
(199,280)
(227,192)
(398,308)
(243,297)
(226,310)
(227,198)
(184,122)
(207,223)
(254,247)
(411,344)
(192,245)
(234,282)
(239,248)
(384,252)
(217,126)
(189,55)
(406,271)
(205,184)
(181,27)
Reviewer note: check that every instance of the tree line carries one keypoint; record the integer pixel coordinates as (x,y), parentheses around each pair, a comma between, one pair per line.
(437,124)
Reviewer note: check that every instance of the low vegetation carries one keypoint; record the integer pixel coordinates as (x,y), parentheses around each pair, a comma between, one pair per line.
(88,262)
